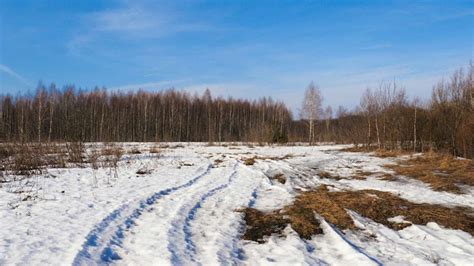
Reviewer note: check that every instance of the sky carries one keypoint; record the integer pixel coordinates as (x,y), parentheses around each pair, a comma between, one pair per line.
(243,49)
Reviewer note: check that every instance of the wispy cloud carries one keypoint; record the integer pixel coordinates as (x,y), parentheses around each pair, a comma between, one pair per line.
(5,69)
(126,19)
(129,23)
(137,20)
(148,85)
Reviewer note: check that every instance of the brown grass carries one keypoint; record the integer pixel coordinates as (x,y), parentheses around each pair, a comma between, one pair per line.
(155,149)
(327,175)
(276,158)
(249,161)
(75,151)
(391,153)
(376,205)
(135,151)
(387,177)
(382,153)
(359,149)
(261,224)
(93,159)
(29,158)
(279,177)
(441,172)
(143,171)
(217,162)
(379,206)
(26,159)
(112,155)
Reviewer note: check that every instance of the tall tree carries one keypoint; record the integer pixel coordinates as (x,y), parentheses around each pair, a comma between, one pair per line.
(311,108)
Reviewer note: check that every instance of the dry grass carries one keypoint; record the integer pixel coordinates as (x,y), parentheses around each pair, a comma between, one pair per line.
(135,151)
(327,175)
(112,155)
(376,205)
(391,153)
(249,161)
(359,149)
(260,225)
(276,158)
(380,206)
(143,171)
(217,162)
(30,158)
(75,151)
(26,159)
(93,159)
(155,149)
(387,177)
(177,146)
(279,177)
(441,172)
(382,153)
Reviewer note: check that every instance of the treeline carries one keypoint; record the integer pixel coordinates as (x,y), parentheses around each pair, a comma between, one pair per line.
(387,119)
(75,115)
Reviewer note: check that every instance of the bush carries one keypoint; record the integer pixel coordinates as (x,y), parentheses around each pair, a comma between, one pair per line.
(26,159)
(75,151)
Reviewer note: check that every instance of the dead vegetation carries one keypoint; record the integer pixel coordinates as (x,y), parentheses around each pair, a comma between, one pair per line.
(260,225)
(358,175)
(382,153)
(135,151)
(387,177)
(332,206)
(143,171)
(279,177)
(252,160)
(327,175)
(155,149)
(76,152)
(25,160)
(441,172)
(249,161)
(217,162)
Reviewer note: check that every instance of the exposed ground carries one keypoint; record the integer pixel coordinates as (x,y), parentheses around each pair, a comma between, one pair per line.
(233,204)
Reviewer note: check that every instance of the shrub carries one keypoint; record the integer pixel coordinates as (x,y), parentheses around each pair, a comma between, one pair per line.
(75,151)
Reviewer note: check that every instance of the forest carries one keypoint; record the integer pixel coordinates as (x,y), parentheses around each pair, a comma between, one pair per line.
(384,119)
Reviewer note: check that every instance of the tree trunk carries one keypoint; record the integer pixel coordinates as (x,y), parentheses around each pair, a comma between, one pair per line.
(377,131)
(40,107)
(51,110)
(414,133)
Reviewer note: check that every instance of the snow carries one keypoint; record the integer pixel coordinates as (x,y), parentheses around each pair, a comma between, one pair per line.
(185,210)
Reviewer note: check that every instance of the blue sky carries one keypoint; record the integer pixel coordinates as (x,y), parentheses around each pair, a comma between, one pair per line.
(236,48)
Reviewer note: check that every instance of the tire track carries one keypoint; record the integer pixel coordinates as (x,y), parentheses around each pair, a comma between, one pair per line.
(109,233)
(181,228)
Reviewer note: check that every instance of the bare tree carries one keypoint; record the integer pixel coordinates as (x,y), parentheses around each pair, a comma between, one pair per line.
(311,108)
(416,103)
(366,104)
(328,117)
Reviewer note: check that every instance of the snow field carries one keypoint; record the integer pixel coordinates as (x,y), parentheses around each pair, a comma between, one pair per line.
(185,212)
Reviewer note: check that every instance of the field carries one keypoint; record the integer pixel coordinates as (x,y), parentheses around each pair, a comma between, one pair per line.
(193,203)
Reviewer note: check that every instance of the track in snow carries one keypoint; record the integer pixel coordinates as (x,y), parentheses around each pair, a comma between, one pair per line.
(181,229)
(109,233)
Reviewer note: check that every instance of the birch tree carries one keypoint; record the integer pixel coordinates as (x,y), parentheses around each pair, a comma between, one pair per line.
(311,109)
